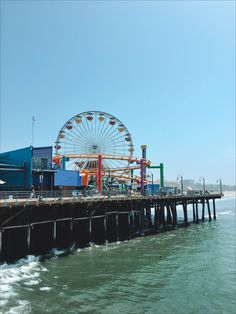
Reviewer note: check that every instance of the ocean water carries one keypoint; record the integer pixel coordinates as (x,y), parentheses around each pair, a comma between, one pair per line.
(189,270)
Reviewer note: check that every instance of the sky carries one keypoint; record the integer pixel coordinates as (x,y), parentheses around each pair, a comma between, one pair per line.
(166,69)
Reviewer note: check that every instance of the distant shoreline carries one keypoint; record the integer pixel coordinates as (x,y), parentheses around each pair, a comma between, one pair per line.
(229,193)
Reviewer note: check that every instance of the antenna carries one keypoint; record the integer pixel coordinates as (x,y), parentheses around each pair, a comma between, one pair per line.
(33,120)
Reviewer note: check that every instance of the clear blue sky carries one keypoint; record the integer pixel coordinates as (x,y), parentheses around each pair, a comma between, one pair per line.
(164,68)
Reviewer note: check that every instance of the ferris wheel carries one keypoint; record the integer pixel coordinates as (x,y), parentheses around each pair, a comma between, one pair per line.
(89,134)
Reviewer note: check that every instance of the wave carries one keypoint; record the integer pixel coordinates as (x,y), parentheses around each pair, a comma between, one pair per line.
(25,271)
(229,212)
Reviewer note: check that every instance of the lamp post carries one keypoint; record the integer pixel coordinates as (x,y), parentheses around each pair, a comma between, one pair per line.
(220,183)
(201,179)
(181,182)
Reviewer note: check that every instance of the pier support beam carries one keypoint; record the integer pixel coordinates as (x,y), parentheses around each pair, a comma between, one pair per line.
(161,216)
(42,237)
(124,228)
(14,243)
(185,213)
(197,218)
(214,209)
(112,227)
(156,222)
(169,219)
(98,230)
(209,210)
(117,227)
(174,214)
(203,209)
(64,232)
(194,215)
(82,231)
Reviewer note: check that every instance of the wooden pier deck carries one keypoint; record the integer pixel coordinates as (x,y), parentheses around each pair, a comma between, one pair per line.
(37,226)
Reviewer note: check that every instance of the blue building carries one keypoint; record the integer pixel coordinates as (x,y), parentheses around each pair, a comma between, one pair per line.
(21,168)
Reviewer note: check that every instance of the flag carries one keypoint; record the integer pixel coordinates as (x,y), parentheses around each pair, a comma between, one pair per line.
(33,119)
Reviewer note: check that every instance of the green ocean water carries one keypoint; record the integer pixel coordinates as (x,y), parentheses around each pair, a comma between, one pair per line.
(188,270)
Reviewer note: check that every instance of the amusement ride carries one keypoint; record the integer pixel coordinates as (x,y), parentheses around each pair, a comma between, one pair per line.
(99,145)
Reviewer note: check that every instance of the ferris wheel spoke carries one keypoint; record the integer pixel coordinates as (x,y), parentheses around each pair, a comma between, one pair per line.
(114,136)
(61,141)
(79,133)
(113,151)
(106,123)
(68,146)
(73,143)
(84,129)
(116,153)
(102,123)
(70,150)
(100,126)
(115,148)
(94,126)
(115,130)
(89,128)
(110,133)
(72,140)
(89,125)
(115,141)
(117,144)
(71,136)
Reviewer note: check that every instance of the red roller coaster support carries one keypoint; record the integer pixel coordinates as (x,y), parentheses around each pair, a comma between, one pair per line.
(142,175)
(100,173)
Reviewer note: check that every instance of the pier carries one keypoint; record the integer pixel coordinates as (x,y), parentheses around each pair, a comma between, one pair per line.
(36,226)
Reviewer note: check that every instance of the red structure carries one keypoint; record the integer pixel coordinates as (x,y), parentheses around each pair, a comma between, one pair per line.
(100,173)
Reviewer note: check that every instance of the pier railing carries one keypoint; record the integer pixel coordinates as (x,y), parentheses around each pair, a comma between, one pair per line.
(27,197)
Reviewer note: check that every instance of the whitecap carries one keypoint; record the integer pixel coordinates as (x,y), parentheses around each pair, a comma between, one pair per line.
(32,282)
(45,288)
(3,302)
(58,252)
(22,307)
(25,271)
(225,213)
